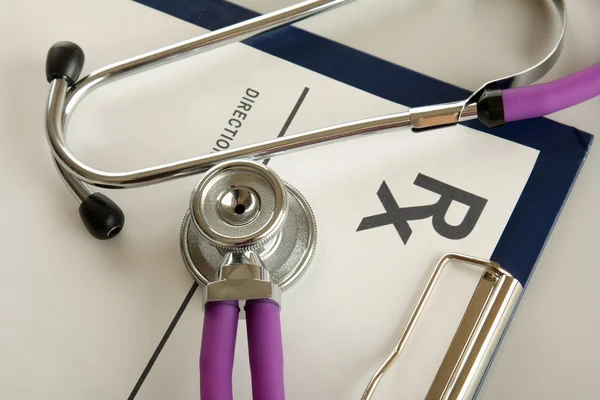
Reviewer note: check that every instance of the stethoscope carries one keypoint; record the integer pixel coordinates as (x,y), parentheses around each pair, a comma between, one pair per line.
(247,235)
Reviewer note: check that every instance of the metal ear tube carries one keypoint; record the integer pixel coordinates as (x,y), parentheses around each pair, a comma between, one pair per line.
(104,219)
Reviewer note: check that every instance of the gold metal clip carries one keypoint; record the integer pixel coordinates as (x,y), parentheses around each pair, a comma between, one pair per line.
(475,339)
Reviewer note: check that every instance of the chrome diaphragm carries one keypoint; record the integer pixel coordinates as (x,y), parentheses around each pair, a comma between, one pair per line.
(242,207)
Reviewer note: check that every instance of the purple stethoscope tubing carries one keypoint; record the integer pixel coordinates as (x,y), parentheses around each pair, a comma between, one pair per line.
(547,98)
(265,349)
(218,349)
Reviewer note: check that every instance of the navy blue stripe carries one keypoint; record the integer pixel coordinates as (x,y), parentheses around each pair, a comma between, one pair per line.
(562,148)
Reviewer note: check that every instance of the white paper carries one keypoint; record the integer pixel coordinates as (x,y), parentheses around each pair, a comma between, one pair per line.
(81,318)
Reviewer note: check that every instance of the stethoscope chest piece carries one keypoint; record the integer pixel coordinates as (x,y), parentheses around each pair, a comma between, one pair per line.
(242,207)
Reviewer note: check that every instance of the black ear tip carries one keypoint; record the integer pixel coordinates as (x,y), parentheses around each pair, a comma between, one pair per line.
(64,60)
(101,216)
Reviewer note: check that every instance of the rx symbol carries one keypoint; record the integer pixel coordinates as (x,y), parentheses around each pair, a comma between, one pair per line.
(399,217)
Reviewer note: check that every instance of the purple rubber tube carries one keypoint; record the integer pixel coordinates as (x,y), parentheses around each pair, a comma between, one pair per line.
(218,350)
(266,349)
(547,98)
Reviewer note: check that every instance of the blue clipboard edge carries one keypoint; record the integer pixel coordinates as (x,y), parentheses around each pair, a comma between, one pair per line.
(562,149)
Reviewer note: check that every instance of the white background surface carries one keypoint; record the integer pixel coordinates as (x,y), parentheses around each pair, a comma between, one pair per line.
(551,350)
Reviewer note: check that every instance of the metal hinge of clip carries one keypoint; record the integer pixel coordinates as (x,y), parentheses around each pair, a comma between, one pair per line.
(476,338)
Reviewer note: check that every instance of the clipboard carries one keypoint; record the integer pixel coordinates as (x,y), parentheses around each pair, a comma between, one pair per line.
(561,154)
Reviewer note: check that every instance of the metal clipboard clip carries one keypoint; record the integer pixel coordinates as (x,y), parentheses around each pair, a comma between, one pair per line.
(476,338)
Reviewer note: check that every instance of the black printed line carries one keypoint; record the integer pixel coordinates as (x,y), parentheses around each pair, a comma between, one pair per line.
(291,117)
(163,341)
(190,294)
